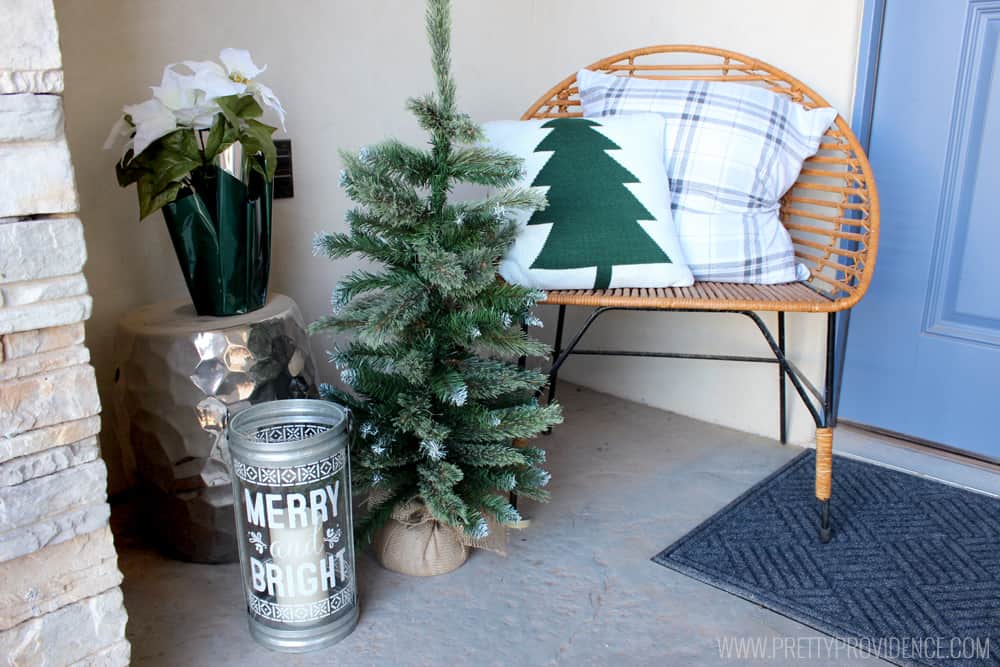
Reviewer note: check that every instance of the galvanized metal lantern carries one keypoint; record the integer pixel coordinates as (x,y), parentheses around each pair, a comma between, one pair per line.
(292,487)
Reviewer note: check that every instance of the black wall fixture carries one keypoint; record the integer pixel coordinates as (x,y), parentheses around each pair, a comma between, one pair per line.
(284,188)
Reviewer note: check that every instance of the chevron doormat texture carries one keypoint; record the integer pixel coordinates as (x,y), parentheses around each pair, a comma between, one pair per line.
(912,573)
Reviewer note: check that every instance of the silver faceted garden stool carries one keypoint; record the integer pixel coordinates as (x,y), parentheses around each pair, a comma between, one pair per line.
(177,379)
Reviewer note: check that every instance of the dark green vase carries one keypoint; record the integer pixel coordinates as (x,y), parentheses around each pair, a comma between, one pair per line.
(221,231)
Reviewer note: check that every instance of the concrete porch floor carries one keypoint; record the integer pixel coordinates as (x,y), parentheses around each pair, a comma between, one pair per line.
(577,587)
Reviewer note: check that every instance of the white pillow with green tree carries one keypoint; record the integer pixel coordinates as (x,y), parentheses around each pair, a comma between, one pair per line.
(608,222)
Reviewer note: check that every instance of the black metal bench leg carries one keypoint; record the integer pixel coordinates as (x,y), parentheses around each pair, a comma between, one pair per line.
(824,437)
(782,416)
(822,415)
(825,531)
(556,351)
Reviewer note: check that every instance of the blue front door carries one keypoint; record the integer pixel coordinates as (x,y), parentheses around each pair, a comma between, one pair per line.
(923,349)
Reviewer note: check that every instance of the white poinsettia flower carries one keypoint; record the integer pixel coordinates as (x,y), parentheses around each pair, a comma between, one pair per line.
(213,80)
(266,98)
(239,65)
(152,120)
(198,117)
(180,93)
(234,77)
(188,100)
(176,91)
(120,131)
(241,68)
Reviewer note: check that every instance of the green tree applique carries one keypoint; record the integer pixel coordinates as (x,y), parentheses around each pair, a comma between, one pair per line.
(593,215)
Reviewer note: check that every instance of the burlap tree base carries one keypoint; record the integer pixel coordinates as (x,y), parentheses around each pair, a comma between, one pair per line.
(414,542)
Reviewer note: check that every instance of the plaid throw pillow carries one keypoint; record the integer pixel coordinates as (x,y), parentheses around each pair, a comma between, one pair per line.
(731,151)
(608,221)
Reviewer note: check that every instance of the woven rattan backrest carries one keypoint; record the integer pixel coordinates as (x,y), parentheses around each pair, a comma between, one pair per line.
(832,210)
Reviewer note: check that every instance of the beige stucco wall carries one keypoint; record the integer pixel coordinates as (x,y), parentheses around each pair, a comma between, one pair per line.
(343,70)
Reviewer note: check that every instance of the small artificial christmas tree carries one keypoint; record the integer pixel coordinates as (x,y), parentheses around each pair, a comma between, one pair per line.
(436,401)
(579,167)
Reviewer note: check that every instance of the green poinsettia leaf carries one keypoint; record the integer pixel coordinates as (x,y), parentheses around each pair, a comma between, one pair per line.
(127,171)
(228,106)
(213,142)
(172,158)
(220,137)
(256,138)
(239,107)
(152,200)
(248,108)
(182,142)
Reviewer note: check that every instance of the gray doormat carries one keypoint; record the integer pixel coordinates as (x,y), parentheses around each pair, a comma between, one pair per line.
(912,573)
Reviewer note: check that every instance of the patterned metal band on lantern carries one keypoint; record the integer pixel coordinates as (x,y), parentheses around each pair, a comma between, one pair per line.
(292,486)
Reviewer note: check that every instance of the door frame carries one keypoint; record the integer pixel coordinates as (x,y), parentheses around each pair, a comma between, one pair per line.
(869,51)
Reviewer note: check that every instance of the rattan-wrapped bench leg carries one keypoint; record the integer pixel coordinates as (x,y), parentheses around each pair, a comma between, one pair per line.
(824,475)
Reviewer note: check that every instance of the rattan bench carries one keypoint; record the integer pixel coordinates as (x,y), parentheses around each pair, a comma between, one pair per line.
(831,213)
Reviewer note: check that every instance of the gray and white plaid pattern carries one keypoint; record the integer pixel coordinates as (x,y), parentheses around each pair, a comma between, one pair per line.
(731,151)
